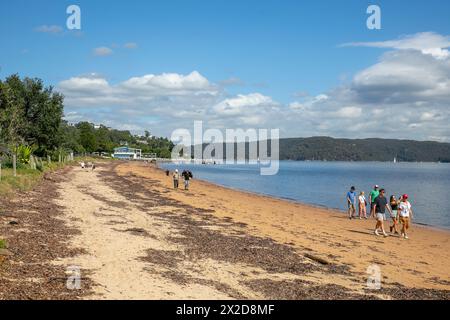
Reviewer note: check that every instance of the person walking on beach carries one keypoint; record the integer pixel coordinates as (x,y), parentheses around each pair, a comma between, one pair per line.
(351,202)
(406,214)
(394,215)
(362,205)
(380,208)
(176,177)
(372,196)
(186,175)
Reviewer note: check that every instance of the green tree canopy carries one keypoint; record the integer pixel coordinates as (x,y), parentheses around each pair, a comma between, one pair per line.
(29,113)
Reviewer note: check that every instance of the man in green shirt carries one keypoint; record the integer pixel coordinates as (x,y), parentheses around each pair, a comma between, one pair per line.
(373,195)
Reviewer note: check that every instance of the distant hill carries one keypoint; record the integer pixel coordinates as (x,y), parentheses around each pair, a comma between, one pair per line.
(331,149)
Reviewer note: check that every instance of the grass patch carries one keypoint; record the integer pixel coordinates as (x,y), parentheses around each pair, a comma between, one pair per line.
(26,178)
(3,244)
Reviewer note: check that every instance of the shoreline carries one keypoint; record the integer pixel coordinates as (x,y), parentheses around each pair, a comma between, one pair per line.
(169,160)
(313,206)
(324,232)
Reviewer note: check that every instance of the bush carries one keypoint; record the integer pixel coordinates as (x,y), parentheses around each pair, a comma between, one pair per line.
(7,162)
(23,154)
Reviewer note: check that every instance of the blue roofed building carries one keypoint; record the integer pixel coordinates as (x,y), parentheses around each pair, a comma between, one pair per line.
(127,153)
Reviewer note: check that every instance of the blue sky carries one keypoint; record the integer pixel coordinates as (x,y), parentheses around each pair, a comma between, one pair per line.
(287,51)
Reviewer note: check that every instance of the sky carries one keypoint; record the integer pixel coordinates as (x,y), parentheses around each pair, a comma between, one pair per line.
(308,68)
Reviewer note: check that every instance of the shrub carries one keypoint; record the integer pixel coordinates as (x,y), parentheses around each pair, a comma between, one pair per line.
(23,154)
(7,162)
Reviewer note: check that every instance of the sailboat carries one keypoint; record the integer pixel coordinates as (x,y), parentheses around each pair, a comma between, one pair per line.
(395,159)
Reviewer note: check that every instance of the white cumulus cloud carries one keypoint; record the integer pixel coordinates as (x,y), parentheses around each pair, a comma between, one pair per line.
(426,42)
(102,51)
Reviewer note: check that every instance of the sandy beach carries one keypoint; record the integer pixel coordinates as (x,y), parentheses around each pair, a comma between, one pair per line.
(134,237)
(421,262)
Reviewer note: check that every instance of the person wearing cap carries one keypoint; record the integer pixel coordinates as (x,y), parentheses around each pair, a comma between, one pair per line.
(176,178)
(351,200)
(380,206)
(372,196)
(405,214)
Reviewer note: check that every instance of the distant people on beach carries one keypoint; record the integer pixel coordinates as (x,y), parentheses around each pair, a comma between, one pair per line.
(379,207)
(372,196)
(87,165)
(176,178)
(393,202)
(406,214)
(362,205)
(351,202)
(187,175)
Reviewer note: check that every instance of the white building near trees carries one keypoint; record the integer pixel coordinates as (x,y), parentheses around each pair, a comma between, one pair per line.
(127,153)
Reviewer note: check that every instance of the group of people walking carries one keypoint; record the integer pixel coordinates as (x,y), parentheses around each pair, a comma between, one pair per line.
(400,210)
(186,175)
(84,165)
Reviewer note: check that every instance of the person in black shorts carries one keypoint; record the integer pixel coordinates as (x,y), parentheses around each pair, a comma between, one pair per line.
(187,175)
(372,196)
(380,206)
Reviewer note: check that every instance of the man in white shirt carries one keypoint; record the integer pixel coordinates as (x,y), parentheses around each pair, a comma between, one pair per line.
(176,177)
(406,214)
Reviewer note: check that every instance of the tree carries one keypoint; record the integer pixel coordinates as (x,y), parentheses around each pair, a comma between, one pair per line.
(104,142)
(11,111)
(69,138)
(30,113)
(87,136)
(43,111)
